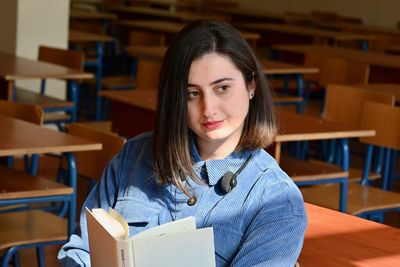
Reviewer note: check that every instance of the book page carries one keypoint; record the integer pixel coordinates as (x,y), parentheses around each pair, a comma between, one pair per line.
(181,249)
(182,225)
(115,225)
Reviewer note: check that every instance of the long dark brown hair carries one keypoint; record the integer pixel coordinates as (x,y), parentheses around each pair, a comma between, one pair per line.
(172,136)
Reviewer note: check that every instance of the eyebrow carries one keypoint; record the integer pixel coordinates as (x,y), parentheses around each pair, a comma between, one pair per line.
(214,82)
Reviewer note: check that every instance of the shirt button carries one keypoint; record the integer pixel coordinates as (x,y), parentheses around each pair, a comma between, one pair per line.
(191,201)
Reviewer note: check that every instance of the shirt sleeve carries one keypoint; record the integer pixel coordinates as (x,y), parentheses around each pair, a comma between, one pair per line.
(275,236)
(103,195)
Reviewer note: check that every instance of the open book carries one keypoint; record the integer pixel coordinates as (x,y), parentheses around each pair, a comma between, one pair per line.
(174,244)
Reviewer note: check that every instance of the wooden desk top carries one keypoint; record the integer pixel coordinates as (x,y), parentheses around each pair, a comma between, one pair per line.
(362,28)
(298,30)
(168,27)
(238,13)
(19,137)
(164,14)
(79,37)
(276,67)
(372,58)
(337,239)
(299,127)
(91,15)
(293,127)
(390,88)
(14,68)
(143,98)
(393,49)
(152,25)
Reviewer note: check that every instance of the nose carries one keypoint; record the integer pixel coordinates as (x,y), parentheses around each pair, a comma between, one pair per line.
(209,105)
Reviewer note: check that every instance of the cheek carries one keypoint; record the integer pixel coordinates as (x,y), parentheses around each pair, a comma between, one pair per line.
(192,115)
(239,107)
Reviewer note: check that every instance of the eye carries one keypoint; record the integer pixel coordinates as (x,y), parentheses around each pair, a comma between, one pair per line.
(192,93)
(223,88)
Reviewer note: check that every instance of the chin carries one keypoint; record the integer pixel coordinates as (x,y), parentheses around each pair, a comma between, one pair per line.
(216,135)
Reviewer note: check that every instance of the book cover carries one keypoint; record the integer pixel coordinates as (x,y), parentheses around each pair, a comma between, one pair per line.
(174,244)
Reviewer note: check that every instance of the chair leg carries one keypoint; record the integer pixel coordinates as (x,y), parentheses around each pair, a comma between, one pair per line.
(16,259)
(8,256)
(40,256)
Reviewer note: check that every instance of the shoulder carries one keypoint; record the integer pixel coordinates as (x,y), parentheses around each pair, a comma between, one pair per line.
(278,189)
(140,145)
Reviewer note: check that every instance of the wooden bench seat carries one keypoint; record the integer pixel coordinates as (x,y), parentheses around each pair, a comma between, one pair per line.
(282,98)
(310,170)
(355,175)
(17,184)
(360,198)
(30,97)
(27,227)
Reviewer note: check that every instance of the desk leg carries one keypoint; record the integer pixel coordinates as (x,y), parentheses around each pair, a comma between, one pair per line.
(344,180)
(299,105)
(73,183)
(99,78)
(363,45)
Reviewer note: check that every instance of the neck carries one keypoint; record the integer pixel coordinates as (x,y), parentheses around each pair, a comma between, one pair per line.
(214,151)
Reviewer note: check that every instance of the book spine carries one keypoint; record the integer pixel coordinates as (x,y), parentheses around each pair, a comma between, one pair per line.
(125,253)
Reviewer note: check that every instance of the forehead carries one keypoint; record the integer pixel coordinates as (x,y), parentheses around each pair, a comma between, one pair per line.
(212,66)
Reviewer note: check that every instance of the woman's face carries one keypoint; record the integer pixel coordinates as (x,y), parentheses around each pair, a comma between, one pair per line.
(218,102)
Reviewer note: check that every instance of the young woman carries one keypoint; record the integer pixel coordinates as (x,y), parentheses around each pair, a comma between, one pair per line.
(206,158)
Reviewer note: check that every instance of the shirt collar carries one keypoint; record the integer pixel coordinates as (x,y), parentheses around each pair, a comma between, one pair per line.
(218,167)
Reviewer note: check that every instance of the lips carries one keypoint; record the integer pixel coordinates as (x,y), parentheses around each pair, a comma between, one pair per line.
(211,125)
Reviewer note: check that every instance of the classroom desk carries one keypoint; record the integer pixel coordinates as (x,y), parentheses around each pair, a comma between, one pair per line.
(272,68)
(389,88)
(383,68)
(361,28)
(80,14)
(140,13)
(252,15)
(294,31)
(393,49)
(77,38)
(19,138)
(18,68)
(172,28)
(334,239)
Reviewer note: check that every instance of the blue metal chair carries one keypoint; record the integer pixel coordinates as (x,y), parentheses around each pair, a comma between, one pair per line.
(66,58)
(364,200)
(21,226)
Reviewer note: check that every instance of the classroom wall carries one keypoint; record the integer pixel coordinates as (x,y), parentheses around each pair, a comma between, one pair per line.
(25,24)
(375,12)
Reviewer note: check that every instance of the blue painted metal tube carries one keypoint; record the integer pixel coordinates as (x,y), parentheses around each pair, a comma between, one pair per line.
(345,167)
(73,183)
(299,106)
(367,165)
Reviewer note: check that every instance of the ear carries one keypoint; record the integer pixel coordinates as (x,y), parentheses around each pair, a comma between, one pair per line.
(251,89)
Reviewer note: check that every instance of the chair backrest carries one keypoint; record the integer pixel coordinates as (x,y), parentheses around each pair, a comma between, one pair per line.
(385,120)
(344,103)
(67,58)
(87,27)
(342,71)
(30,113)
(312,59)
(147,74)
(92,163)
(137,37)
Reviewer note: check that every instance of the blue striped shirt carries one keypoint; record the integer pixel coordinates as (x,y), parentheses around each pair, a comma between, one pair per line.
(261,222)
